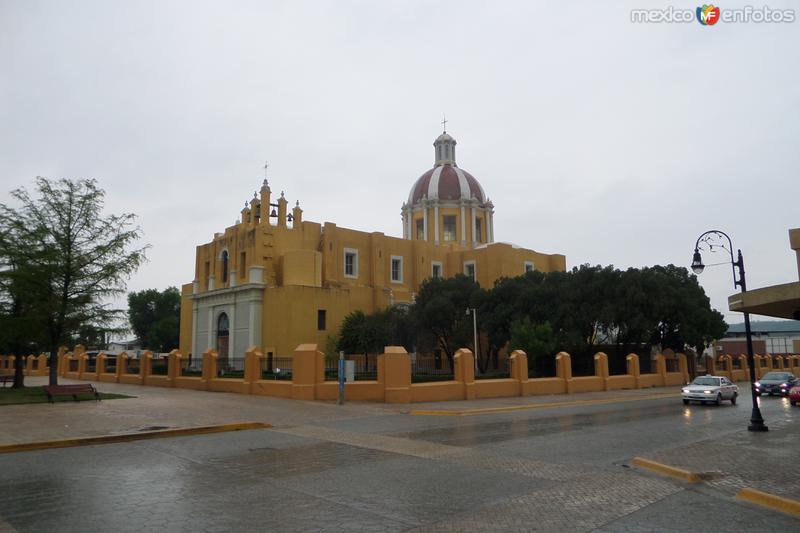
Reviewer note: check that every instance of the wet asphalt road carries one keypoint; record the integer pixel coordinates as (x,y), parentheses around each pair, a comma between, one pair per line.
(561,469)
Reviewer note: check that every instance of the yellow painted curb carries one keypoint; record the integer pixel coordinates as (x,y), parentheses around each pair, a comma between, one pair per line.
(672,471)
(489,410)
(128,437)
(765,499)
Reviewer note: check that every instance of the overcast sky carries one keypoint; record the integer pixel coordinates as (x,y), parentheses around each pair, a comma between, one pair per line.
(604,140)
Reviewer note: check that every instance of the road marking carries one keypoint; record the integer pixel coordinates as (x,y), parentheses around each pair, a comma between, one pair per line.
(489,410)
(128,437)
(765,499)
(667,470)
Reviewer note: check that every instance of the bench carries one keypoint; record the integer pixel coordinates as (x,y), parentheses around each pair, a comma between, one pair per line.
(70,390)
(6,379)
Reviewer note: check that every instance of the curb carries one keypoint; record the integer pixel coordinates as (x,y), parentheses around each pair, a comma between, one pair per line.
(129,437)
(510,408)
(765,499)
(672,471)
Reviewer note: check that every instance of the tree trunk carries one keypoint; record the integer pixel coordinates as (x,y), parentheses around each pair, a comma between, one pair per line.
(19,374)
(53,359)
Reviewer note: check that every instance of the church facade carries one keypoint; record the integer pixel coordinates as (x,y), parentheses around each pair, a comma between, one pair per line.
(275,281)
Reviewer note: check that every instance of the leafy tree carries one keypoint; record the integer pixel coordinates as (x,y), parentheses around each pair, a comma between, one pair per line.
(61,258)
(155,316)
(536,340)
(440,310)
(369,334)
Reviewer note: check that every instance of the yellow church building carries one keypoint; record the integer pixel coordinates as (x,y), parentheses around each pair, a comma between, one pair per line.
(275,281)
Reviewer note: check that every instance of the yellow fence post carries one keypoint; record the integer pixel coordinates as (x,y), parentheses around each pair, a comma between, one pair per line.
(209,367)
(61,362)
(683,367)
(145,366)
(661,369)
(82,357)
(252,368)
(632,368)
(304,371)
(564,369)
(601,368)
(173,366)
(464,371)
(519,369)
(100,365)
(397,369)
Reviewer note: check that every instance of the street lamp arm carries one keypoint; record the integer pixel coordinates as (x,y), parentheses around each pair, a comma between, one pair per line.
(735,263)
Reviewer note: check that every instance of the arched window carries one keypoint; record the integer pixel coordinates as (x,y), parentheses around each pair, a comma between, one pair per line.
(223,326)
(224,259)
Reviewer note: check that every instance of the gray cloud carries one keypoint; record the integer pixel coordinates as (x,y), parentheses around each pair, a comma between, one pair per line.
(608,141)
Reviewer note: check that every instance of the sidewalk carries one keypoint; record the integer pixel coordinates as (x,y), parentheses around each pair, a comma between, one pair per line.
(763,461)
(159,408)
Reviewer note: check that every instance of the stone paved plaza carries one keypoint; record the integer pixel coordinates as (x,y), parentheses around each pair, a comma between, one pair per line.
(372,467)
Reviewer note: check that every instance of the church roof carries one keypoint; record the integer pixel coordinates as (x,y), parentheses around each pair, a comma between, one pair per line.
(446,182)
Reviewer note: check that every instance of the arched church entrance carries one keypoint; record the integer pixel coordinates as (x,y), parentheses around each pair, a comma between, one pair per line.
(223,337)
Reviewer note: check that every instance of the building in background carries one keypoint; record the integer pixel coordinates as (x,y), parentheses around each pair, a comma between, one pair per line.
(275,281)
(775,337)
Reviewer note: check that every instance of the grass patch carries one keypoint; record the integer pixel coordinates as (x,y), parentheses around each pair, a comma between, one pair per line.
(9,396)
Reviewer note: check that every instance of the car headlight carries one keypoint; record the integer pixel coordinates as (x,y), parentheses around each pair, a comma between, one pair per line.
(684,390)
(707,392)
(757,384)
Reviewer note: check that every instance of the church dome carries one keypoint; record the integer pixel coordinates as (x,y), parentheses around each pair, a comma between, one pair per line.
(445,181)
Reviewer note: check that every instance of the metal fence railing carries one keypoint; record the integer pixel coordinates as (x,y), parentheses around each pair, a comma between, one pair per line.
(672,365)
(502,371)
(230,367)
(111,365)
(277,368)
(426,368)
(365,368)
(191,367)
(132,367)
(159,367)
(646,365)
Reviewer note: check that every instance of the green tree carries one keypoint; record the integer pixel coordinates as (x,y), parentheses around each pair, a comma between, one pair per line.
(155,316)
(536,340)
(61,259)
(369,334)
(440,310)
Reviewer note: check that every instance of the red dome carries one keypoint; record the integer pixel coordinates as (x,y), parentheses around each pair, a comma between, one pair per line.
(446,182)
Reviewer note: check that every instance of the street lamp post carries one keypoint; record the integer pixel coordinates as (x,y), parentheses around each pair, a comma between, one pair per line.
(474,335)
(707,238)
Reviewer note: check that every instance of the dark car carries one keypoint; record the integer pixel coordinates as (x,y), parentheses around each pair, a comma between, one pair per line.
(775,383)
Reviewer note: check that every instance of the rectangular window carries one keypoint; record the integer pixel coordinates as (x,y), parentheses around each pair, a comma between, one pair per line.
(350,263)
(469,269)
(321,319)
(449,225)
(528,266)
(478,230)
(243,266)
(420,229)
(397,269)
(436,269)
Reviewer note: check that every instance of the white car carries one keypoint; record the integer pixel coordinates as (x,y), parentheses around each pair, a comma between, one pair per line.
(713,389)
